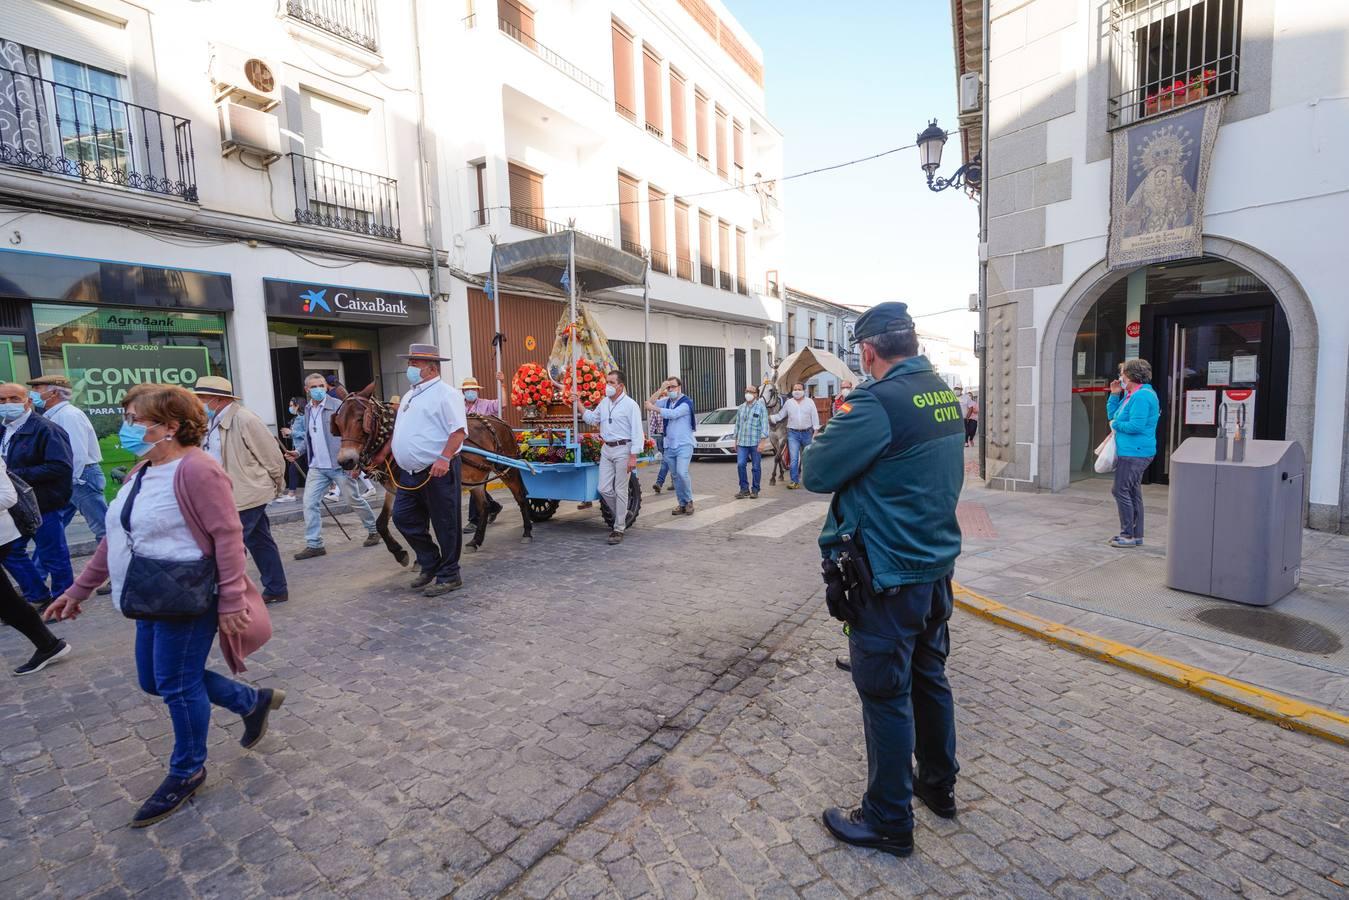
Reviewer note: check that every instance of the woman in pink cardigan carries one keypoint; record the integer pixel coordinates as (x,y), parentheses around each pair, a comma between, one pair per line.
(182,509)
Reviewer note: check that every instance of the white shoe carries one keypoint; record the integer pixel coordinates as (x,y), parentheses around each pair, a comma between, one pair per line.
(333,495)
(286,498)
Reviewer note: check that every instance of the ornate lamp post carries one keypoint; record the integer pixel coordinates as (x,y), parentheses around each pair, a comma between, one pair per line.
(930,144)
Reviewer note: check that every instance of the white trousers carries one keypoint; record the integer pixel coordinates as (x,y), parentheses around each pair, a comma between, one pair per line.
(614,482)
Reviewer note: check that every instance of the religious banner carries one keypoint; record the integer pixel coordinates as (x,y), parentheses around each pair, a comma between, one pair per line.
(1159,174)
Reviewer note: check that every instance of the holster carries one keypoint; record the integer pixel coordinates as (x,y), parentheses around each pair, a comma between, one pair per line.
(847,579)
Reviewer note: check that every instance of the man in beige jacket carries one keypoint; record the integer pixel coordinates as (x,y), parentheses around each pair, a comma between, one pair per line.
(251,456)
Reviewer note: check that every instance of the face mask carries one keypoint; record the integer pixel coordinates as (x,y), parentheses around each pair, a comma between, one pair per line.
(317,394)
(845,392)
(133,439)
(210,413)
(294,411)
(749,398)
(470,396)
(11,411)
(610,390)
(673,393)
(414,375)
(798,394)
(38,402)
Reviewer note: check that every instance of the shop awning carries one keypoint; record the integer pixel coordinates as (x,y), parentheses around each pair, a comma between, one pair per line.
(599,266)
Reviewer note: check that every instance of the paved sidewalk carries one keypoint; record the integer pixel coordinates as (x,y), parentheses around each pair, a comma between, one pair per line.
(1077,780)
(1047,554)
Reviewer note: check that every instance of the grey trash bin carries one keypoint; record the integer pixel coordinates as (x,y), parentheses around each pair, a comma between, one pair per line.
(1235,528)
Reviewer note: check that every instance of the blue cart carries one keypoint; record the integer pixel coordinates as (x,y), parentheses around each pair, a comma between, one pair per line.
(549,484)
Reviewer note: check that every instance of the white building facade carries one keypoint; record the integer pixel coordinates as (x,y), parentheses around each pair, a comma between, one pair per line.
(1256,319)
(641,123)
(812,321)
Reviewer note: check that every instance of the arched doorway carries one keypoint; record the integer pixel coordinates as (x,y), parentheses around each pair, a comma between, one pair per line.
(1233,327)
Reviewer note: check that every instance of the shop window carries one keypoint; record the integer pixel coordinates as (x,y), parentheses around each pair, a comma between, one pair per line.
(105,351)
(1171,53)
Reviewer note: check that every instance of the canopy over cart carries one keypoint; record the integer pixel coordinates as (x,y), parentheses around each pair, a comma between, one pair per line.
(808,362)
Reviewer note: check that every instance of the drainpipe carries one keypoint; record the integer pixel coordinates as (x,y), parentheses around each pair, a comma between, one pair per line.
(428,197)
(983,255)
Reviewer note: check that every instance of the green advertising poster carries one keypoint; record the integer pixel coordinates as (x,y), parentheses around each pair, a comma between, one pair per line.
(101,374)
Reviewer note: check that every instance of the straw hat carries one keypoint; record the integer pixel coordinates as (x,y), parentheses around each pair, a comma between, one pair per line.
(214,386)
(470,384)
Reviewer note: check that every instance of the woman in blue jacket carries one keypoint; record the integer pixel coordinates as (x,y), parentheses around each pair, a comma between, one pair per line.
(1133,411)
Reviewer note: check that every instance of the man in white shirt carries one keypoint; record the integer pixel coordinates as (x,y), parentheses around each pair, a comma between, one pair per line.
(620,421)
(803,420)
(430,428)
(87,497)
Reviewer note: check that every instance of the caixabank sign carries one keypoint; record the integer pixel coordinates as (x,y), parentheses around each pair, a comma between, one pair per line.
(304,300)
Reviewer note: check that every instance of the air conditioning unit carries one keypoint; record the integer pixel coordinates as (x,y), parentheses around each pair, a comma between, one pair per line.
(969,93)
(243,128)
(243,77)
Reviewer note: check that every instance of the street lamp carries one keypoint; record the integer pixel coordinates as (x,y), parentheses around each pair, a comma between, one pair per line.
(930,144)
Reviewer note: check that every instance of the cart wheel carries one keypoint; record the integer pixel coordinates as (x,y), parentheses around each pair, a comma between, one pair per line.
(634,503)
(542,510)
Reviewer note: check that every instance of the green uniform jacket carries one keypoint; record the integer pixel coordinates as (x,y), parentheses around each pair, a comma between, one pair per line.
(893,456)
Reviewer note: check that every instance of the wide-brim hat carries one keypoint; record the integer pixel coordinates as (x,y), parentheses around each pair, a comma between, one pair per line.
(423,351)
(214,386)
(49,380)
(470,384)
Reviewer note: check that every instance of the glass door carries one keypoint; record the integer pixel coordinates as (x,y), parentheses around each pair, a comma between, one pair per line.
(1218,364)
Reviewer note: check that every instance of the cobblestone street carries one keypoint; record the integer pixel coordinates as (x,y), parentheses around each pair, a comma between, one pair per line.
(663,717)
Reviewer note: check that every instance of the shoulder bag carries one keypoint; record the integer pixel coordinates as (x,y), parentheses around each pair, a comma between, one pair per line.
(164,589)
(25,512)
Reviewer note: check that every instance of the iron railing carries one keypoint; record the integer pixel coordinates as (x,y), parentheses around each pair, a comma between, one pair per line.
(709,274)
(680,146)
(625,112)
(522,218)
(333,196)
(479,217)
(1171,53)
(552,58)
(655,131)
(351,20)
(683,268)
(660,261)
(740,286)
(725,280)
(50,127)
(632,247)
(817,343)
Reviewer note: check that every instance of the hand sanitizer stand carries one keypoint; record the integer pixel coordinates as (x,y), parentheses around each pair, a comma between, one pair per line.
(1236,526)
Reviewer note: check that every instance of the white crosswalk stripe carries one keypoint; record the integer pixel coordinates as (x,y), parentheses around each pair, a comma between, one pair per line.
(704,517)
(786,522)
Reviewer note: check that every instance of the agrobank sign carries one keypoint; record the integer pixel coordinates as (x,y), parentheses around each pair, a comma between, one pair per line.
(309,301)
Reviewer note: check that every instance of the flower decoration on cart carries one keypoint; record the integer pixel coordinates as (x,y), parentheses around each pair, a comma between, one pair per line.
(591,380)
(551,446)
(532,386)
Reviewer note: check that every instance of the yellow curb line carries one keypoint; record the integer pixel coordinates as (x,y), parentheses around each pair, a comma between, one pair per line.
(1284,711)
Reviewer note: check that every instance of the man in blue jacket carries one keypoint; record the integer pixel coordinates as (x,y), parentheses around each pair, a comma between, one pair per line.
(38,452)
(893,456)
(676,410)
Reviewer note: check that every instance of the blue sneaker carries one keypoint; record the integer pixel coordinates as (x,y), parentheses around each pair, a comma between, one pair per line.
(1121,541)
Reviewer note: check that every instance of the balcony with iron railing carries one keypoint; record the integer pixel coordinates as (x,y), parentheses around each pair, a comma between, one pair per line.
(526,219)
(817,343)
(625,112)
(684,268)
(351,20)
(332,196)
(660,262)
(740,286)
(724,280)
(61,130)
(709,274)
(632,247)
(554,59)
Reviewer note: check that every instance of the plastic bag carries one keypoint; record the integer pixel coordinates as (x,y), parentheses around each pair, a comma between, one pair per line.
(1105,455)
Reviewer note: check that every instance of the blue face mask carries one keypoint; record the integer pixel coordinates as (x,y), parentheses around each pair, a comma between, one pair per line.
(317,394)
(11,411)
(414,375)
(470,396)
(210,413)
(133,439)
(38,402)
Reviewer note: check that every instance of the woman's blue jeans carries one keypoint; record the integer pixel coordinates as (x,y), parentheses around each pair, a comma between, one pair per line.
(171,664)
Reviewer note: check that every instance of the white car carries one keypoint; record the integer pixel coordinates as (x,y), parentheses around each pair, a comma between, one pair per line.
(714,438)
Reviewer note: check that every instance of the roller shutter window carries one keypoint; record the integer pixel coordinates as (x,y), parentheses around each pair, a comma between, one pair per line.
(517,21)
(679,126)
(683,257)
(740,284)
(526,198)
(629,215)
(631,358)
(625,92)
(722,169)
(65,31)
(706,270)
(651,81)
(724,259)
(700,128)
(738,151)
(703,371)
(660,247)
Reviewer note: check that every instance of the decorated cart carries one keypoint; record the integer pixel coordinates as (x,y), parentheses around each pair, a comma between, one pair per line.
(560,461)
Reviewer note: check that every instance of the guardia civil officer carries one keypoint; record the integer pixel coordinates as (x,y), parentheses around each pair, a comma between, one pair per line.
(893,458)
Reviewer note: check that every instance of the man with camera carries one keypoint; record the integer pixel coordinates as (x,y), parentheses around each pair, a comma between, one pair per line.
(893,458)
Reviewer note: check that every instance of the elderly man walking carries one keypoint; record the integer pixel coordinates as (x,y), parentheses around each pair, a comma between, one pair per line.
(620,421)
(39,453)
(430,428)
(86,496)
(250,455)
(320,451)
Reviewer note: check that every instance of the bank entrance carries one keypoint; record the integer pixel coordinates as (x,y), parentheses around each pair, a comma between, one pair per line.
(1218,342)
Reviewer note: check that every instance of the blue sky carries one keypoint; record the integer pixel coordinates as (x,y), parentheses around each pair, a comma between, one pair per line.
(847,80)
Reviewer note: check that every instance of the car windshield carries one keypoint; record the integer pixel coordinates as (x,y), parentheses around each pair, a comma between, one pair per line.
(720,417)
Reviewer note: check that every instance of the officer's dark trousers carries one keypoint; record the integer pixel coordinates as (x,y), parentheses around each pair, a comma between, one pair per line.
(432,507)
(899,648)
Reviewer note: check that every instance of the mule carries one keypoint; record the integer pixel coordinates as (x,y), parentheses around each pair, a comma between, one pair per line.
(365,426)
(777,433)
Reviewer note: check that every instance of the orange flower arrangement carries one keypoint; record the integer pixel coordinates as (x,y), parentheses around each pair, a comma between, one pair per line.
(531,385)
(590,379)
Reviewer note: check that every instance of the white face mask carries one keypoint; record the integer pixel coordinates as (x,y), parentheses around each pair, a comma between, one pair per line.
(798,394)
(610,390)
(749,398)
